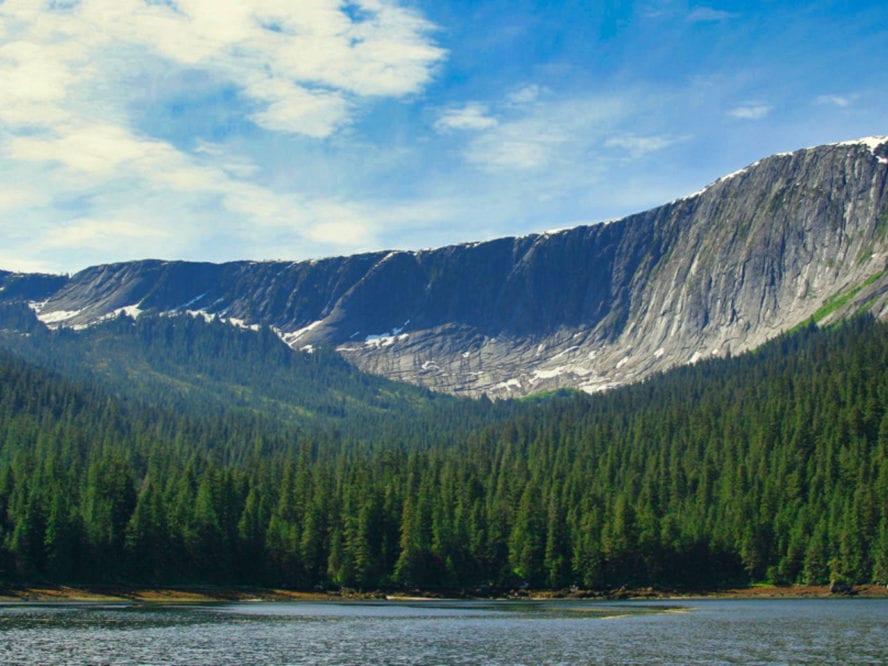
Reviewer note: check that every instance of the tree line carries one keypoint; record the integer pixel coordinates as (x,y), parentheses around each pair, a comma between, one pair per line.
(770,466)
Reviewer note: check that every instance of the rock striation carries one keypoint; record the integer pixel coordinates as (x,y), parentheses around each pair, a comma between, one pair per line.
(791,237)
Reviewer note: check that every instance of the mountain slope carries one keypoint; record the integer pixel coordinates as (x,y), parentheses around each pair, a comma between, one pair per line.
(788,238)
(771,466)
(190,366)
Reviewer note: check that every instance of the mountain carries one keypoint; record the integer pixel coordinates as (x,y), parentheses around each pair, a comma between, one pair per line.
(211,370)
(792,237)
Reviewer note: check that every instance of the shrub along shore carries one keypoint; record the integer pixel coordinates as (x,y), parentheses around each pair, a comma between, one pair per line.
(210,594)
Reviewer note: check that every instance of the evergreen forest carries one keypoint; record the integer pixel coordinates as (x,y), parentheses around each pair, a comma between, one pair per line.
(208,455)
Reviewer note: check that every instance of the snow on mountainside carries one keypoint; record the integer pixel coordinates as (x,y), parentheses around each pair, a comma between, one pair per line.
(789,237)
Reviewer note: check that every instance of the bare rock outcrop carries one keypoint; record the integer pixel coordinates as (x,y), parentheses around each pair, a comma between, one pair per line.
(756,253)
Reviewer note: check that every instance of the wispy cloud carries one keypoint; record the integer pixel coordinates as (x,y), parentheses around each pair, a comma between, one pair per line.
(471,116)
(835,100)
(526,144)
(105,234)
(710,15)
(525,94)
(18,198)
(539,134)
(752,111)
(638,146)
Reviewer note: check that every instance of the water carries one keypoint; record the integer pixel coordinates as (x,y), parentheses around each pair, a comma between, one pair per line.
(826,631)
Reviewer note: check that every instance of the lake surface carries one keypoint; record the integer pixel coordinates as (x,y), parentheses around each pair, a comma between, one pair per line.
(827,631)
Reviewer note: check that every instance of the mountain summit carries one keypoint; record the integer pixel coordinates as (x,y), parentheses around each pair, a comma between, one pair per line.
(790,238)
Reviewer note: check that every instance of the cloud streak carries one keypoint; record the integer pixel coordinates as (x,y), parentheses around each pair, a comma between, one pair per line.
(638,146)
(710,15)
(538,134)
(840,101)
(472,116)
(750,111)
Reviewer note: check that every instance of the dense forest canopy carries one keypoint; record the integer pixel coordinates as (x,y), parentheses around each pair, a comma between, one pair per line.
(771,466)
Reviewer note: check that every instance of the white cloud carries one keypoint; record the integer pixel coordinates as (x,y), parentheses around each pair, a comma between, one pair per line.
(103,234)
(347,233)
(836,100)
(93,186)
(753,111)
(13,261)
(710,15)
(294,109)
(18,198)
(36,79)
(94,149)
(472,116)
(525,94)
(540,134)
(638,146)
(298,61)
(521,145)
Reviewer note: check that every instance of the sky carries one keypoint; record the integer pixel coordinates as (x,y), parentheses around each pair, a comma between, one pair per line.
(220,130)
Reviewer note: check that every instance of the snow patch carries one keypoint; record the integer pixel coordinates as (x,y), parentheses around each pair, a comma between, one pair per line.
(392,253)
(240,323)
(659,353)
(565,352)
(131,311)
(622,362)
(292,337)
(231,321)
(509,384)
(723,179)
(599,387)
(548,374)
(576,370)
(871,142)
(56,317)
(693,195)
(387,339)
(379,341)
(207,317)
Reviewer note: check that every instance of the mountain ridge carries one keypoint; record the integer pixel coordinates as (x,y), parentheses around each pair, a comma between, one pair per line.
(790,237)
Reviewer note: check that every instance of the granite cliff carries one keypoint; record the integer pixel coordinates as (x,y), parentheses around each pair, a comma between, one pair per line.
(792,237)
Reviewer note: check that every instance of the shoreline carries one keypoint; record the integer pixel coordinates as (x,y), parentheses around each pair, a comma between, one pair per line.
(211,594)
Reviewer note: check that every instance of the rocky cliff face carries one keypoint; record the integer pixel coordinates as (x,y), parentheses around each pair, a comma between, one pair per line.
(791,237)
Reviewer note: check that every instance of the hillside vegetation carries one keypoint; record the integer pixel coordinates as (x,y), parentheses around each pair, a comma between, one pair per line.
(771,466)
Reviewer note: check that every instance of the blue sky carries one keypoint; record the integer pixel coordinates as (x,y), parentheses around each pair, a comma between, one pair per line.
(295,129)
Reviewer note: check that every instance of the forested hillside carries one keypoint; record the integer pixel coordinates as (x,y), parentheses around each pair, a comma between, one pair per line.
(200,367)
(769,466)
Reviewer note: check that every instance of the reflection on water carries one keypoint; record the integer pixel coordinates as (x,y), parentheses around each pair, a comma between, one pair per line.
(550,632)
